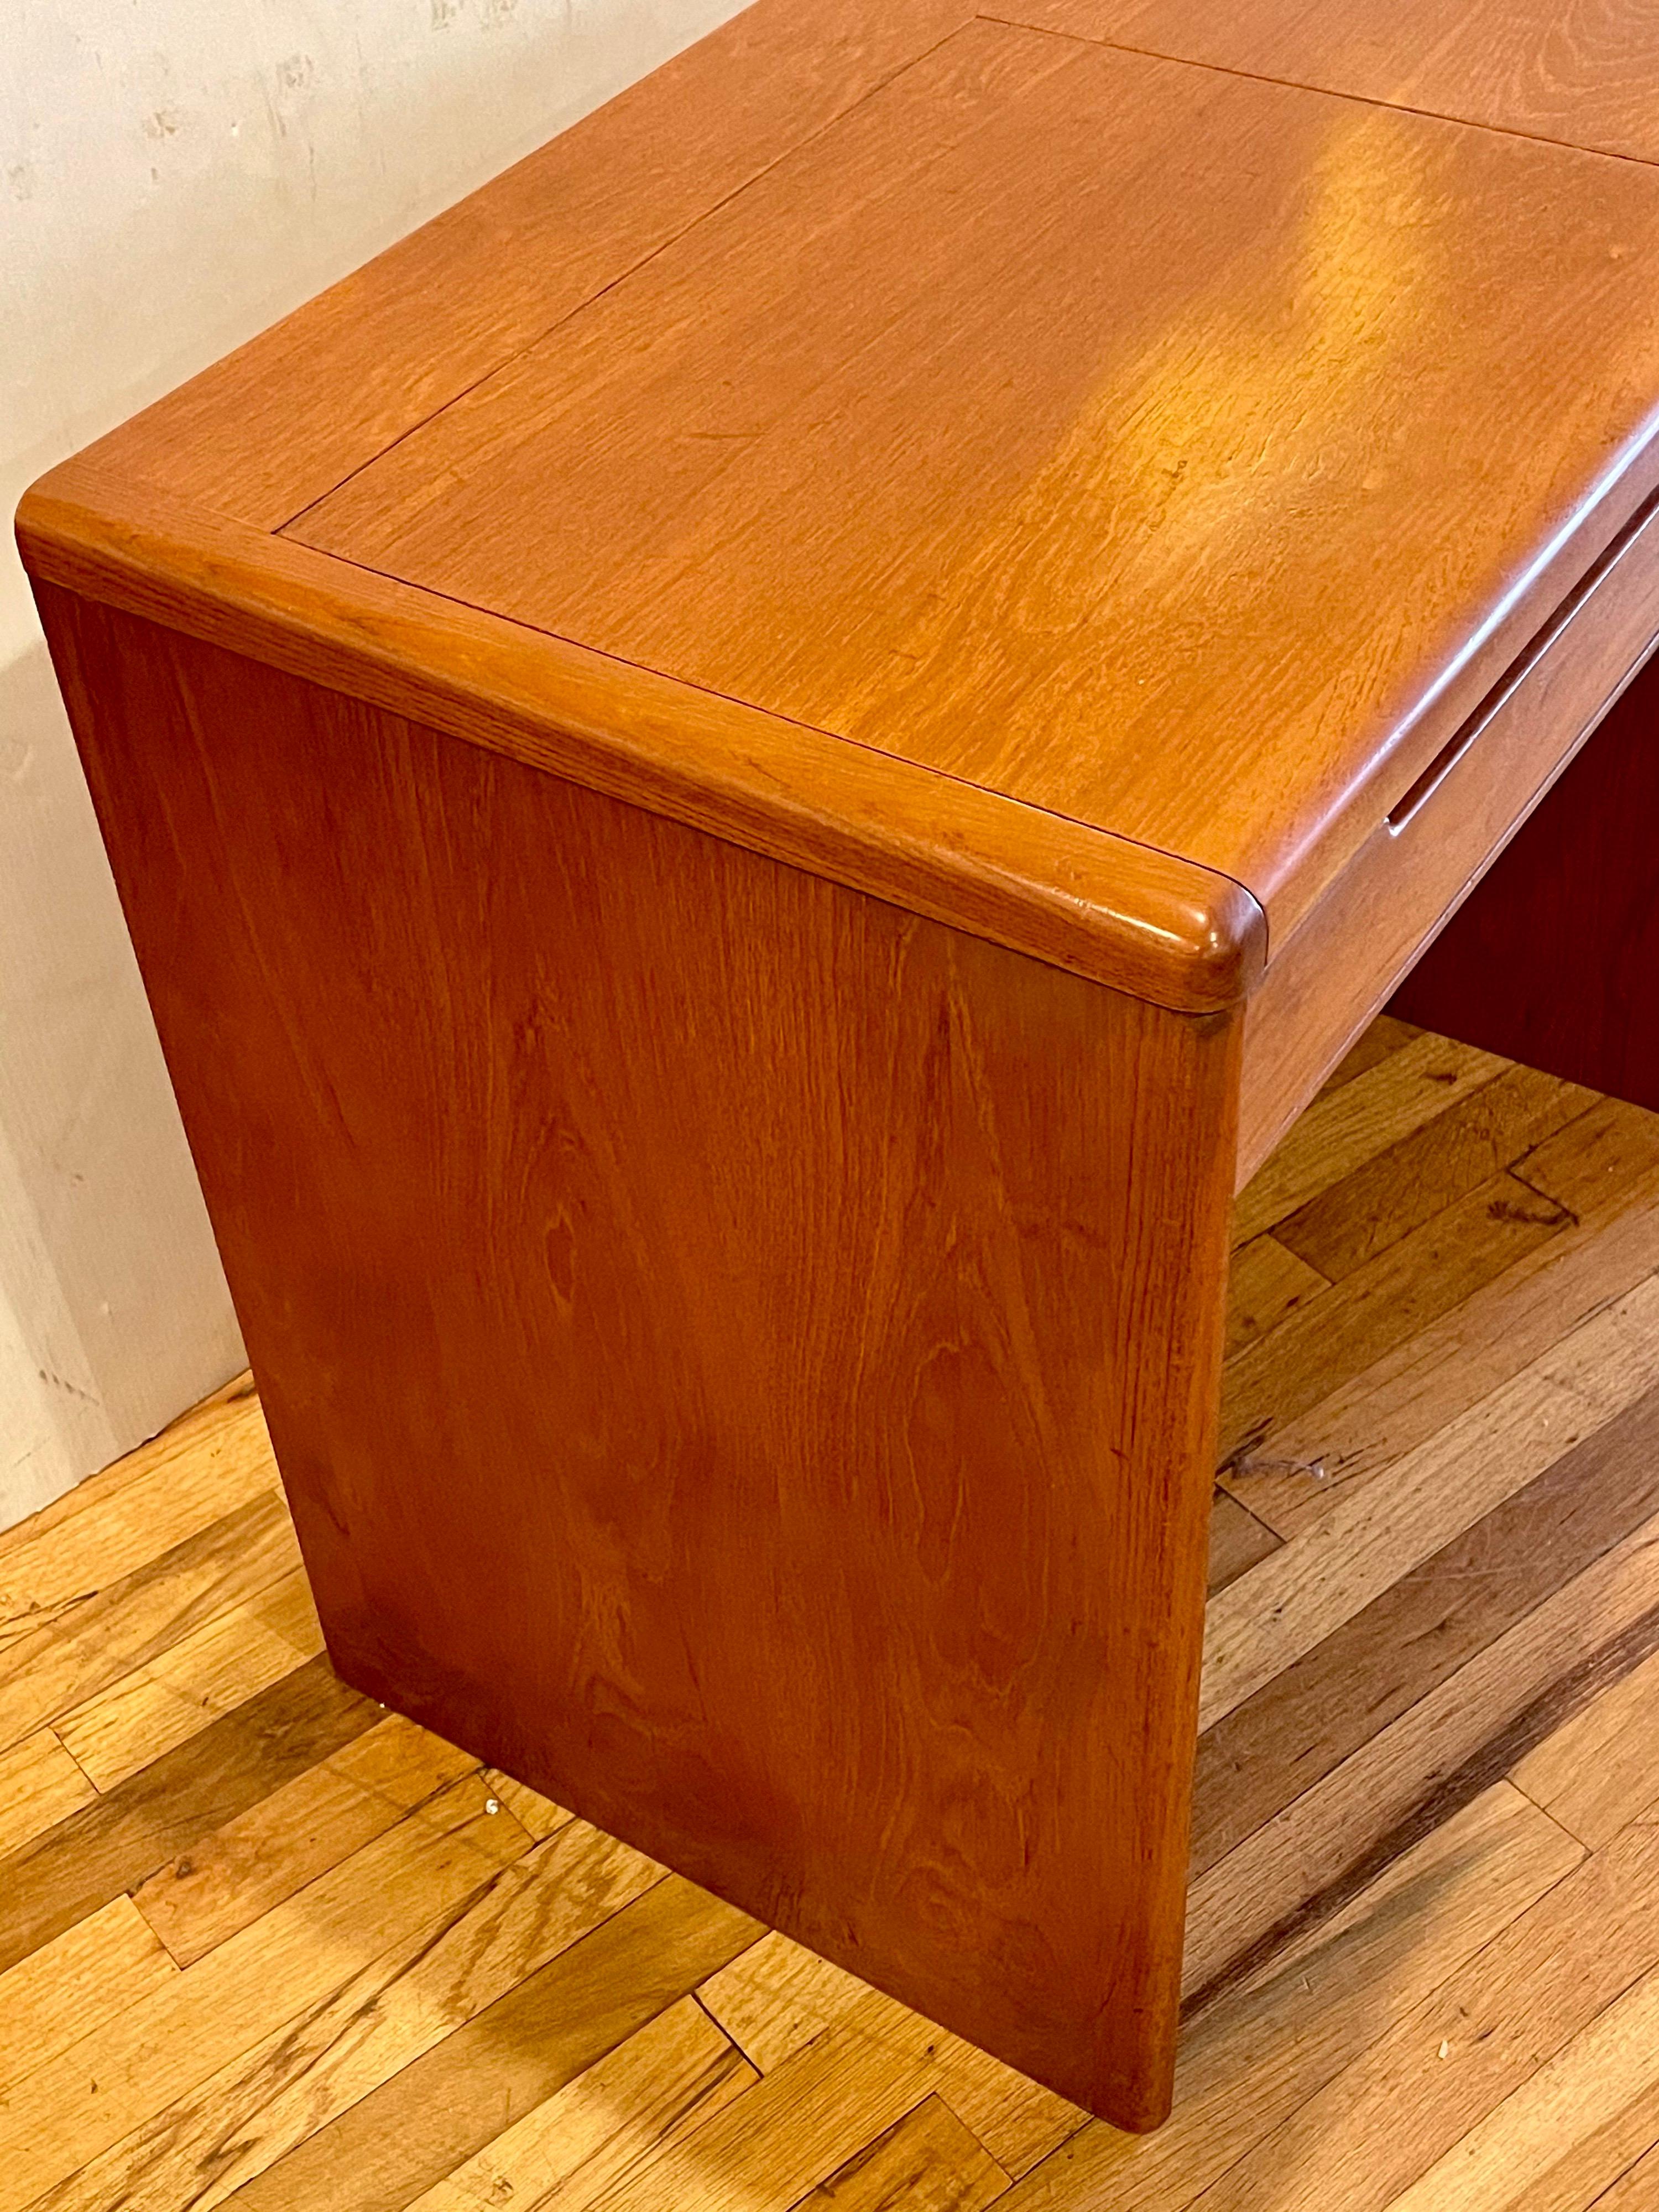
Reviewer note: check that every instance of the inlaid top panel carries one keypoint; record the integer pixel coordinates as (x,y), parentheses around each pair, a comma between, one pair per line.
(1166,448)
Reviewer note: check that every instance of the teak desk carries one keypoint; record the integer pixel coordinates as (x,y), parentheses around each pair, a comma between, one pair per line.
(752,773)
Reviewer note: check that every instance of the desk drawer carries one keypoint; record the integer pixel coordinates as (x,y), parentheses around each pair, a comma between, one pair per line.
(1341,963)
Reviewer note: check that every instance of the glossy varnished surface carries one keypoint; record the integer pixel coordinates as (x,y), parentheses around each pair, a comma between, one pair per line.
(1582,72)
(1144,442)
(696,760)
(280,421)
(741,1355)
(1073,897)
(1169,450)
(308,1970)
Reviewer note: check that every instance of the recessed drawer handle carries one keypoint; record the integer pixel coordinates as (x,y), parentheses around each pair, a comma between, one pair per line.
(1439,769)
(1516,674)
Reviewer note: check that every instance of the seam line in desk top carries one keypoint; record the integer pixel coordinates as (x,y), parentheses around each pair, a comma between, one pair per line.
(664,246)
(872,91)
(1321,91)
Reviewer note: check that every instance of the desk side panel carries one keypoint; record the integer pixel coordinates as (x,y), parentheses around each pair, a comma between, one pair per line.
(742,1356)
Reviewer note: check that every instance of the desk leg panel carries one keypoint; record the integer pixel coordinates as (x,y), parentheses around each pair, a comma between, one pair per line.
(742,1356)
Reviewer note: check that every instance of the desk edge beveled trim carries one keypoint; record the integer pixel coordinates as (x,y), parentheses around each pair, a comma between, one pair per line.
(1150,924)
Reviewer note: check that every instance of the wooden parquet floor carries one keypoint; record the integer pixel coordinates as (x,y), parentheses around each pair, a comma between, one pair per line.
(265,1945)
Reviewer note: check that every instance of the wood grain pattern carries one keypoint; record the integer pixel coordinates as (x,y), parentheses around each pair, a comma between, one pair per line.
(1328,1840)
(265,432)
(927,2160)
(1635,2191)
(40,1784)
(777,1999)
(1398,1189)
(1098,905)
(108,1961)
(1238,1540)
(252,1860)
(433,1981)
(1065,582)
(379,2154)
(1609,2066)
(1360,1427)
(700,800)
(1335,970)
(1265,1283)
(1347,1126)
(209,1672)
(1378,2132)
(212,1462)
(1368,1889)
(1250,2060)
(985,1209)
(70,1657)
(619,2114)
(1585,76)
(1375,1666)
(117,2076)
(116,1841)
(1592,1775)
(1362,1545)
(1380,1305)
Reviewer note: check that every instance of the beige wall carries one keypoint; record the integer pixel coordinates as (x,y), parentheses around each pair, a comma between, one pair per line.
(174,175)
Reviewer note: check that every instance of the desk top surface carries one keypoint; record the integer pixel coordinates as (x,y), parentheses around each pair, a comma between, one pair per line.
(1070,417)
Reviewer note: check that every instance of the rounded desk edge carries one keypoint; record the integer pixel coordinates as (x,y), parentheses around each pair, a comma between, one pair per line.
(1148,923)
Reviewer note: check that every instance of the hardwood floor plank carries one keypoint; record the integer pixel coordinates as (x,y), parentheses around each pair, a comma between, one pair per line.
(1430,1821)
(1369,1049)
(1298,1726)
(418,2127)
(86,1647)
(1595,1156)
(1396,1190)
(1637,2191)
(791,2131)
(1265,1285)
(1402,1291)
(1599,1770)
(591,2136)
(266,2101)
(778,1998)
(1403,2106)
(1263,2049)
(927,2162)
(91,1971)
(40,1784)
(1476,1722)
(1577,2178)
(209,1671)
(1346,1126)
(117,1842)
(1367,1539)
(231,1875)
(1607,2068)
(207,1464)
(1238,1540)
(97,2092)
(539,1815)
(1359,1429)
